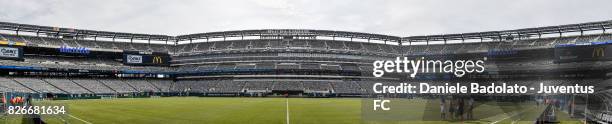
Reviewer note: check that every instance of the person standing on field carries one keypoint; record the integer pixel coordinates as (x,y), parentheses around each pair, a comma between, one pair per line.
(442,106)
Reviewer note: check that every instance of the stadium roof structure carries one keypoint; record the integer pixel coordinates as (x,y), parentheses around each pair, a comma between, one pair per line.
(290,32)
(519,33)
(489,35)
(80,32)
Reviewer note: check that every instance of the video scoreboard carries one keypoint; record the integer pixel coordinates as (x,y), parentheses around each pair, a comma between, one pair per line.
(146,58)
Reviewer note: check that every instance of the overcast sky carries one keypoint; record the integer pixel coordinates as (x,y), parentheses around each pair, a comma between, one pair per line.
(392,17)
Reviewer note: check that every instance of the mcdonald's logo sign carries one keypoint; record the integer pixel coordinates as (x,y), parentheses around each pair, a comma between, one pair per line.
(158,60)
(598,52)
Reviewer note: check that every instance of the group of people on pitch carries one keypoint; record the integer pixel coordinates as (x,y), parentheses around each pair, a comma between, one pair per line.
(457,108)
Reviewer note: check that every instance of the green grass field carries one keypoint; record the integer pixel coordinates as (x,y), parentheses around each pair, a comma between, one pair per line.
(217,110)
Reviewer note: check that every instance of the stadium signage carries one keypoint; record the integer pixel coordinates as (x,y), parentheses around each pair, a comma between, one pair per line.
(288,32)
(157,60)
(77,50)
(11,43)
(136,59)
(599,52)
(494,53)
(580,53)
(146,58)
(11,53)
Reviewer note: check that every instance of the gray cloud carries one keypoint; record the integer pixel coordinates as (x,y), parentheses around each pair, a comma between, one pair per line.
(394,17)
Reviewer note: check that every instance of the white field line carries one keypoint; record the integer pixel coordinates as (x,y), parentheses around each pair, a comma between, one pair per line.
(515,114)
(287,102)
(87,122)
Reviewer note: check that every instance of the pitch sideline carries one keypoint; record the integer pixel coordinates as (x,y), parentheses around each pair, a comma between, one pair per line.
(87,122)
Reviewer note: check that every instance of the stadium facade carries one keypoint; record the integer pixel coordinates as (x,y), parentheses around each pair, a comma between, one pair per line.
(65,63)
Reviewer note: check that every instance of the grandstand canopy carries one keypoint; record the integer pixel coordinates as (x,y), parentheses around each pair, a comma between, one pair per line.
(314,34)
(290,32)
(517,33)
(57,31)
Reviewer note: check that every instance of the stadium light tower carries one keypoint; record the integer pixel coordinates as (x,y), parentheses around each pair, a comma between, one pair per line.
(581,30)
(560,32)
(38,32)
(444,38)
(603,27)
(114,36)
